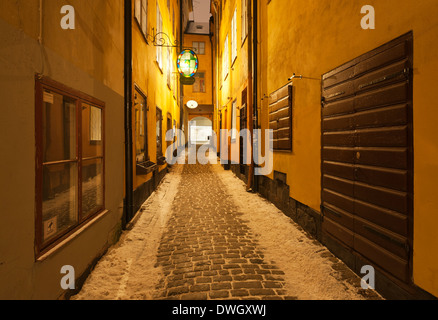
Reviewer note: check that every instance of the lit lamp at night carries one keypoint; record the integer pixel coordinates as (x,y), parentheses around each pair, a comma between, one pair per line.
(187,63)
(192,104)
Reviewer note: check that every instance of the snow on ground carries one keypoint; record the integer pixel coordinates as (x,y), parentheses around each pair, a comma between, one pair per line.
(127,271)
(308,275)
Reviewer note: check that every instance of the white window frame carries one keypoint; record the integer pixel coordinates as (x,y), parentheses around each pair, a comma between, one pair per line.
(244,27)
(140,14)
(234,121)
(159,57)
(169,69)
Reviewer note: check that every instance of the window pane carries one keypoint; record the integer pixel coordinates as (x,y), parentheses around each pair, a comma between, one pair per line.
(92,186)
(140,124)
(202,47)
(92,145)
(195,46)
(59,199)
(59,127)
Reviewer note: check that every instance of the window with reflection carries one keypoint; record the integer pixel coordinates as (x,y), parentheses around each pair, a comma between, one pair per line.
(140,126)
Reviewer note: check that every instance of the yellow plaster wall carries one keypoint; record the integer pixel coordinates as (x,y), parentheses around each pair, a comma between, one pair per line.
(88,59)
(152,80)
(205,64)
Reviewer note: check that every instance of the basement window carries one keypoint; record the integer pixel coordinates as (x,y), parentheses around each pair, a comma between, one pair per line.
(70,163)
(198,47)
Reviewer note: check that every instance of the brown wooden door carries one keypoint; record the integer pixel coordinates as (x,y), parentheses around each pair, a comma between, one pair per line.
(367,171)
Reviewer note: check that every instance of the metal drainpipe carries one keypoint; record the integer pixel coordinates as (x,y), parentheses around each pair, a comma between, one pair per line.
(212,71)
(129,193)
(255,75)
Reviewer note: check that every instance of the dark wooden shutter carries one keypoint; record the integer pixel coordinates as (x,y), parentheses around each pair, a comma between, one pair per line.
(367,156)
(280,118)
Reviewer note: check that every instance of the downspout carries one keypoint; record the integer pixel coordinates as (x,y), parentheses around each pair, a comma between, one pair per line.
(215,77)
(212,72)
(250,96)
(129,193)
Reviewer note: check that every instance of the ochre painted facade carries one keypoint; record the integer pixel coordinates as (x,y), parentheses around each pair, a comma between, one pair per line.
(310,38)
(88,59)
(231,83)
(153,81)
(311,49)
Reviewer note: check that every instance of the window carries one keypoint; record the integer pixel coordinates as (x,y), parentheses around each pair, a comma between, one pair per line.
(225,63)
(159,30)
(159,129)
(140,110)
(198,47)
(140,13)
(69,161)
(244,20)
(234,37)
(234,121)
(199,85)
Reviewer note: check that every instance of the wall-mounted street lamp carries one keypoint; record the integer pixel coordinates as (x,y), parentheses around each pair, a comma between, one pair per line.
(192,104)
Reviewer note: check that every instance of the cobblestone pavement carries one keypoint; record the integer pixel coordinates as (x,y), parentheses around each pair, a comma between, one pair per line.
(208,251)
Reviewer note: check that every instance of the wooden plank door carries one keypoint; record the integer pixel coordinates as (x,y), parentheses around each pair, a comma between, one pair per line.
(367,172)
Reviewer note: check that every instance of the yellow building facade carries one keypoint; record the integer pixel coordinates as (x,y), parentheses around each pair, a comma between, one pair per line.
(197,37)
(64,205)
(313,40)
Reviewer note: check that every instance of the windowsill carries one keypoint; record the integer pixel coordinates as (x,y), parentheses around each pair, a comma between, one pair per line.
(73,236)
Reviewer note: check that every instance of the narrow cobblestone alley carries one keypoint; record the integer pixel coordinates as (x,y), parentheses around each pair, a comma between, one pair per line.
(197,240)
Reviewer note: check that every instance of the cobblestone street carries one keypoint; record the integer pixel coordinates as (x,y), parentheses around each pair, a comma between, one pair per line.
(208,251)
(208,244)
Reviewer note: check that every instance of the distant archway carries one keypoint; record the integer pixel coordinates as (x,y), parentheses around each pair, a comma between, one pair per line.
(200,130)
